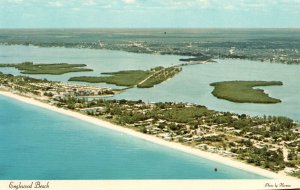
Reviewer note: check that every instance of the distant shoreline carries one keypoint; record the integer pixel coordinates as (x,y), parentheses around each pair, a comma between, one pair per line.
(224,57)
(160,28)
(153,139)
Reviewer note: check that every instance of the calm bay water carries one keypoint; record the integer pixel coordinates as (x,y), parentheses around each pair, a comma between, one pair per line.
(191,85)
(100,61)
(40,144)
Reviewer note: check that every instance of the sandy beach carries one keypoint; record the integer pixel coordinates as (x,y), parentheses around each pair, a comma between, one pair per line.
(177,146)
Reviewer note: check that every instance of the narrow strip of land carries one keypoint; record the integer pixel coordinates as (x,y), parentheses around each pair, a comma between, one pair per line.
(51,69)
(158,76)
(189,150)
(252,140)
(133,78)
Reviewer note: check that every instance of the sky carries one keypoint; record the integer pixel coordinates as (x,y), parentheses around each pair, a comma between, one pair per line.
(149,13)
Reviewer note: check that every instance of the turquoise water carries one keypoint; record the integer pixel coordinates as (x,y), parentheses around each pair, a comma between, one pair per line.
(40,144)
(191,85)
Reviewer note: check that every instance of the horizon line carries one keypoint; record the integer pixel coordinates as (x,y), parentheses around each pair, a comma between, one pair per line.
(141,28)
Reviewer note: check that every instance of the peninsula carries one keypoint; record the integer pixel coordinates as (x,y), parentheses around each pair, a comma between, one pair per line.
(132,78)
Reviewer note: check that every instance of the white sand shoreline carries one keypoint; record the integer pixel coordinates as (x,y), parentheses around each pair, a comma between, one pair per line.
(173,145)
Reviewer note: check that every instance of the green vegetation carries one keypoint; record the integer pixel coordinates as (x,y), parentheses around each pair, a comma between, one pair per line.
(259,141)
(181,114)
(130,78)
(50,89)
(271,45)
(251,139)
(269,159)
(121,78)
(244,92)
(51,69)
(296,174)
(159,76)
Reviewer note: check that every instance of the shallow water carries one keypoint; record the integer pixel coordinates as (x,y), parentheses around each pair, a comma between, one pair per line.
(40,144)
(192,85)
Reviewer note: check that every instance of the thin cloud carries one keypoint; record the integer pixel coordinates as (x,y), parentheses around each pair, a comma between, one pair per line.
(76,9)
(135,12)
(16,1)
(186,4)
(89,2)
(129,1)
(55,4)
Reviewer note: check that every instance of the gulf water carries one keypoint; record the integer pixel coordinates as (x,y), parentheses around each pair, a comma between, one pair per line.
(39,144)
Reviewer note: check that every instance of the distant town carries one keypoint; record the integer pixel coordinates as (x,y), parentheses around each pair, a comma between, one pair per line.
(278,48)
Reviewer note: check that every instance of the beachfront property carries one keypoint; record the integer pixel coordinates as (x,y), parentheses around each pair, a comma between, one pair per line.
(55,90)
(270,142)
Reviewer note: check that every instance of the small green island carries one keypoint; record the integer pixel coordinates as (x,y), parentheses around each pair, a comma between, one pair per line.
(132,78)
(244,91)
(51,69)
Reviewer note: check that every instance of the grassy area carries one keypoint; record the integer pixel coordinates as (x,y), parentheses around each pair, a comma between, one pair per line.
(244,92)
(121,78)
(159,76)
(51,69)
(130,78)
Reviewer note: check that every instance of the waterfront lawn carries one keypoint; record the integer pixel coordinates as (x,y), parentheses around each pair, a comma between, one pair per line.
(122,78)
(244,92)
(51,69)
